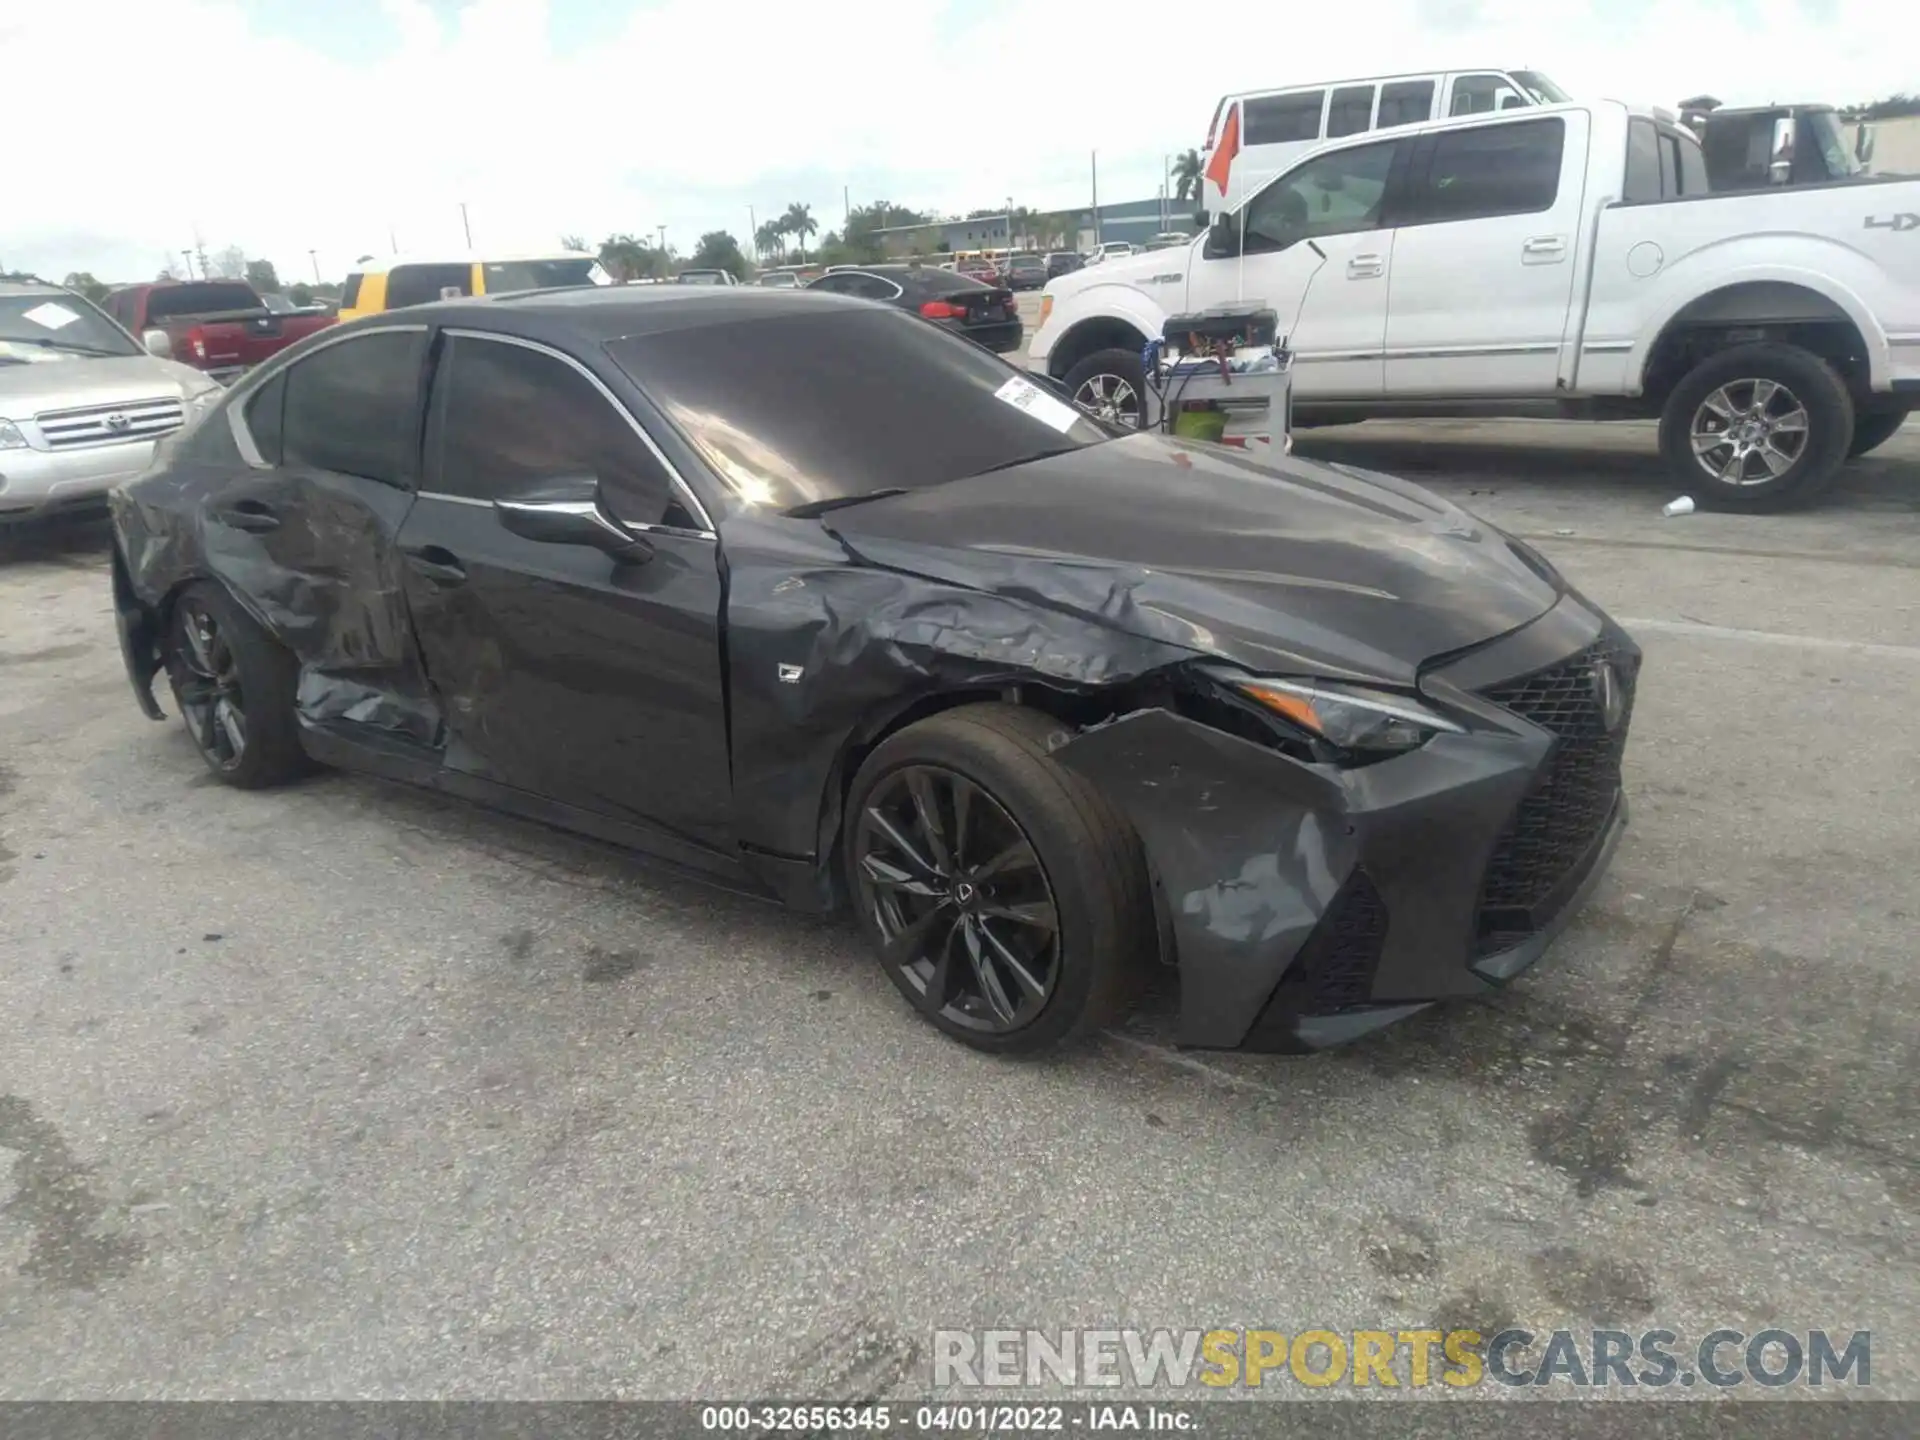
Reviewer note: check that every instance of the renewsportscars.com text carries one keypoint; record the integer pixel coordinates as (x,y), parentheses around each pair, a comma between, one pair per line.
(1413,1359)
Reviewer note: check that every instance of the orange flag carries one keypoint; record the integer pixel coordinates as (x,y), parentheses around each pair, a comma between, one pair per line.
(1221,163)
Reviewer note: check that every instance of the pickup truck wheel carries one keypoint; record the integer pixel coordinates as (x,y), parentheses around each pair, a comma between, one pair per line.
(1112,384)
(1870,432)
(1757,426)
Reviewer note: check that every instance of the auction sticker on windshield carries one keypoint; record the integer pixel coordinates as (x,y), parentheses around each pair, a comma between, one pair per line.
(50,316)
(1025,395)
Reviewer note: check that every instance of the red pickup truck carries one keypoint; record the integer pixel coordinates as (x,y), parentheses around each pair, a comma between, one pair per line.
(220,326)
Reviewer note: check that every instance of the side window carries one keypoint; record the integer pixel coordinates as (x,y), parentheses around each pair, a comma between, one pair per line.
(508,418)
(1350,112)
(265,408)
(871,287)
(1643,163)
(1489,170)
(1405,102)
(422,284)
(350,296)
(1483,94)
(1274,119)
(1333,195)
(1692,166)
(353,407)
(841,284)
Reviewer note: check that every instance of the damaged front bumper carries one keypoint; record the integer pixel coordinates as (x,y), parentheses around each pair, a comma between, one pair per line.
(1310,905)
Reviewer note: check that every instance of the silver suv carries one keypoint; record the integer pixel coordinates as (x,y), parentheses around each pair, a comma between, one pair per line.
(82,405)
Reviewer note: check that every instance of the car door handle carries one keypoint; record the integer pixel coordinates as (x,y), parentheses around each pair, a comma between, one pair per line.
(1544,247)
(249,515)
(1366,267)
(439,565)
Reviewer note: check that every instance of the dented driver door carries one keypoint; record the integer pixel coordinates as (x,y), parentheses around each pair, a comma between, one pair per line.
(581,676)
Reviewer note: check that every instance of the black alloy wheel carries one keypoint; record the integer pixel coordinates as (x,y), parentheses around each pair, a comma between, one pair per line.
(957,893)
(1007,898)
(207,685)
(235,688)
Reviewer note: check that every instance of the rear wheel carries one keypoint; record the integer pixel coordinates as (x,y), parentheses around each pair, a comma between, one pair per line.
(1007,898)
(1870,432)
(1112,384)
(1757,427)
(235,687)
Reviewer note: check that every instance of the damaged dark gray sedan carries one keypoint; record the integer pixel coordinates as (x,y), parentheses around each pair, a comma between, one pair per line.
(809,596)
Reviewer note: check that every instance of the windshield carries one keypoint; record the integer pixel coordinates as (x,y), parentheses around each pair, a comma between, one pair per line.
(32,326)
(1825,131)
(199,297)
(700,277)
(1543,90)
(793,409)
(506,275)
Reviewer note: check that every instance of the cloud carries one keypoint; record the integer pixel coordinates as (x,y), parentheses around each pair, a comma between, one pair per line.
(148,123)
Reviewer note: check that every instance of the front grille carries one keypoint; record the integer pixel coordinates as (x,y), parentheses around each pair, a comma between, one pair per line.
(108,424)
(1335,967)
(1562,814)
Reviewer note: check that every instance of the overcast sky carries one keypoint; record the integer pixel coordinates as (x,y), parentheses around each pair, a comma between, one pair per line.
(284,126)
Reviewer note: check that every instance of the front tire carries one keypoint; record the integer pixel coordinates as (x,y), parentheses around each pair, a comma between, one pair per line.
(1007,898)
(1112,384)
(1870,432)
(1757,427)
(235,686)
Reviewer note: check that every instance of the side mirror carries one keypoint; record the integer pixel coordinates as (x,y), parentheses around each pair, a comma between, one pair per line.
(1223,238)
(1863,144)
(567,511)
(1780,168)
(157,343)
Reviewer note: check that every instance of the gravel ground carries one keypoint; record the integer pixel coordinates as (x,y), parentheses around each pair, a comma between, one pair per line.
(346,1090)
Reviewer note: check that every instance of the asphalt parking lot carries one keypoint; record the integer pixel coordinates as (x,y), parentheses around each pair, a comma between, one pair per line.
(350,1090)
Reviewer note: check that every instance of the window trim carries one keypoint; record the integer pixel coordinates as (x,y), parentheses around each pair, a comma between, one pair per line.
(681,488)
(261,376)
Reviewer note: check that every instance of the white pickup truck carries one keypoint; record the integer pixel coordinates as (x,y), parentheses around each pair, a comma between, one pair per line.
(1564,259)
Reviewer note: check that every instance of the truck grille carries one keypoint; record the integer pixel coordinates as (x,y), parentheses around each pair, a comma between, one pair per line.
(1563,812)
(110,424)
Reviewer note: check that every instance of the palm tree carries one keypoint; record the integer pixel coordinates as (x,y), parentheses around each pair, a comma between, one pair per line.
(767,238)
(573,242)
(625,257)
(1186,175)
(799,222)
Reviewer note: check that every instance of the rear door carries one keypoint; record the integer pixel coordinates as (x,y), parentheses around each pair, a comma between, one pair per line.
(309,531)
(1483,258)
(565,672)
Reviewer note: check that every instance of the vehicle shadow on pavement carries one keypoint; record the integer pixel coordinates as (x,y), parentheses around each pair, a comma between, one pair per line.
(81,541)
(1622,460)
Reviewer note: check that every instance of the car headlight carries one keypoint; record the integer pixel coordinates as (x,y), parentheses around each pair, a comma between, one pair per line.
(202,402)
(1369,723)
(1046,306)
(10,436)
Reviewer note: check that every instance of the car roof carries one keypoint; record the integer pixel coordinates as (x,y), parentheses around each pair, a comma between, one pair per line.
(381,264)
(600,313)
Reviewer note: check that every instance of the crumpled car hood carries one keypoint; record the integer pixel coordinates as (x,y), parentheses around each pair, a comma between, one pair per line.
(1284,566)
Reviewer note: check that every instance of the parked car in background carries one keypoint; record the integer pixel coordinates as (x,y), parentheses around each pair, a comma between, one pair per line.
(1064,262)
(223,327)
(82,404)
(1110,250)
(707,277)
(1168,239)
(1271,129)
(985,271)
(985,314)
(1566,259)
(778,280)
(812,599)
(278,303)
(393,283)
(1026,272)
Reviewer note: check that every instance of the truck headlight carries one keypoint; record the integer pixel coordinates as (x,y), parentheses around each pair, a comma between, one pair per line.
(10,436)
